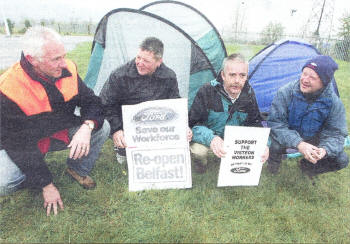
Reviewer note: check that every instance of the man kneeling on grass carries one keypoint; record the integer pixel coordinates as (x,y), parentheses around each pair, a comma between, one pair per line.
(309,116)
(227,100)
(144,78)
(38,98)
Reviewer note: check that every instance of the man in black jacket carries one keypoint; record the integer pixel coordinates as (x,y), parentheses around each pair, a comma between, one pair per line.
(142,79)
(38,98)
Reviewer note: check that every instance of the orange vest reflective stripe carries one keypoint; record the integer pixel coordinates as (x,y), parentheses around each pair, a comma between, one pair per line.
(30,95)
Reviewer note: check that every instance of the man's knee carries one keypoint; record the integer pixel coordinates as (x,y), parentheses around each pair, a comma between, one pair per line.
(199,155)
(11,177)
(103,133)
(276,147)
(199,151)
(342,160)
(11,185)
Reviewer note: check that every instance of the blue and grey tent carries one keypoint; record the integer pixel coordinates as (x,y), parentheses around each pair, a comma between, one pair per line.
(276,65)
(120,32)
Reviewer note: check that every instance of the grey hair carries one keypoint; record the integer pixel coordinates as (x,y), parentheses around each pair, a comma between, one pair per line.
(237,57)
(154,45)
(36,37)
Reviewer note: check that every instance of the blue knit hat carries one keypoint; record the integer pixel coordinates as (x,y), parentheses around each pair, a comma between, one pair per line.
(324,66)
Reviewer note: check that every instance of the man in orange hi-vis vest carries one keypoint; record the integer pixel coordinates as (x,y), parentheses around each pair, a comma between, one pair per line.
(39,95)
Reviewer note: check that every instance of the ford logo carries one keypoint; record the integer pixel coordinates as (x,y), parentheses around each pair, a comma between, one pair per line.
(154,115)
(240,170)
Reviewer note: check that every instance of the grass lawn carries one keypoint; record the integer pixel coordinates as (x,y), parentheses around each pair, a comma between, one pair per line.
(247,50)
(283,208)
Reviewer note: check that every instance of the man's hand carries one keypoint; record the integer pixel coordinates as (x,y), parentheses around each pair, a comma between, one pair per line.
(80,144)
(309,151)
(217,146)
(321,153)
(265,156)
(51,197)
(119,139)
(189,134)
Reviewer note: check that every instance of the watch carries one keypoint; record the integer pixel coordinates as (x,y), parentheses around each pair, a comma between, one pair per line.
(90,124)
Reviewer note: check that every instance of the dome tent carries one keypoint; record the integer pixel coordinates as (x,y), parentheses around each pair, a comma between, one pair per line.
(276,65)
(195,24)
(119,34)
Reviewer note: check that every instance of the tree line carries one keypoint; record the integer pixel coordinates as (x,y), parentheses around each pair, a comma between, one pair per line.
(72,27)
(338,46)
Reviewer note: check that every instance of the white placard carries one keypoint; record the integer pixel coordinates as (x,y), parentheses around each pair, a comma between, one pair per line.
(158,153)
(244,147)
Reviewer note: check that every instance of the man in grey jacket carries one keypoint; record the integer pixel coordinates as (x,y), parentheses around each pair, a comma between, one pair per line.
(144,78)
(309,116)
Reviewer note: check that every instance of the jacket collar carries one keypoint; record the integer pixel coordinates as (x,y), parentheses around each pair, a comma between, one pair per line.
(29,69)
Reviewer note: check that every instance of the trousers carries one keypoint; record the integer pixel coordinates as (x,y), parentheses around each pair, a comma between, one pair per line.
(11,177)
(327,164)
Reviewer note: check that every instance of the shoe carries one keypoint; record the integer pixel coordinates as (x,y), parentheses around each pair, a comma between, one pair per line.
(85,181)
(273,168)
(120,154)
(121,159)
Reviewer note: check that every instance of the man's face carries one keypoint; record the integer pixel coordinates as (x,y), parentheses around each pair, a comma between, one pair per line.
(235,74)
(146,62)
(52,61)
(310,81)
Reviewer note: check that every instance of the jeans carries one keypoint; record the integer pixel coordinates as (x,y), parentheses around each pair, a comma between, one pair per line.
(11,177)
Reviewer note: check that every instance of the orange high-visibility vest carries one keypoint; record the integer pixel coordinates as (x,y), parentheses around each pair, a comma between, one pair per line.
(30,95)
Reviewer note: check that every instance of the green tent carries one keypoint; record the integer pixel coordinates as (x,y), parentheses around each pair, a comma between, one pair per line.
(192,46)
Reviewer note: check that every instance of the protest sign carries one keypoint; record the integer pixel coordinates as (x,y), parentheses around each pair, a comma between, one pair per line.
(242,164)
(158,153)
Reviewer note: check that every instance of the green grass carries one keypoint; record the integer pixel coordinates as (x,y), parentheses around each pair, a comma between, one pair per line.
(342,76)
(284,208)
(80,55)
(247,50)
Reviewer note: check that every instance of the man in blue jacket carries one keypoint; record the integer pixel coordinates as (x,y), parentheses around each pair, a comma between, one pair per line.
(227,100)
(309,116)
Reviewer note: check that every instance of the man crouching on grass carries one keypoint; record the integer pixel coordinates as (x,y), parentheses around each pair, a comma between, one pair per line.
(38,98)
(307,115)
(227,100)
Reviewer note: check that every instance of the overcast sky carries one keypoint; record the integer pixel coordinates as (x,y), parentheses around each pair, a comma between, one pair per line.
(257,13)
